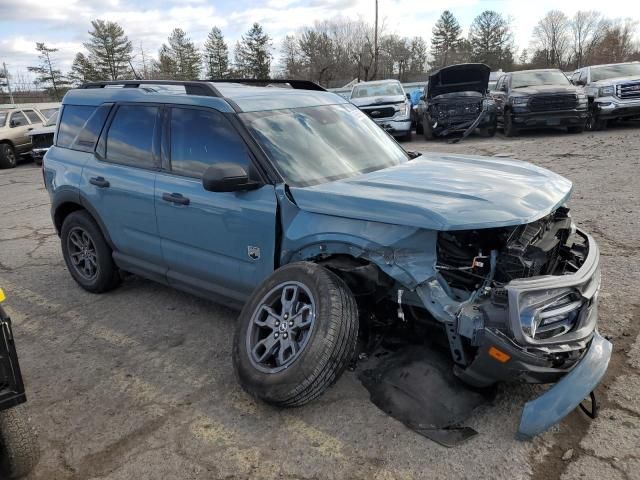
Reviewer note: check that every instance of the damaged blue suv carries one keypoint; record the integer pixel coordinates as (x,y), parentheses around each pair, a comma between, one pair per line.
(292,202)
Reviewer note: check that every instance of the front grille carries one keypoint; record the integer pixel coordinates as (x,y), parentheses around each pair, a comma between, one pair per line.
(455,110)
(42,141)
(543,103)
(628,90)
(380,112)
(560,317)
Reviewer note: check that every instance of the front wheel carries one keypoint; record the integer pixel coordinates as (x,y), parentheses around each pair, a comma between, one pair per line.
(19,451)
(488,131)
(427,131)
(577,129)
(296,335)
(509,129)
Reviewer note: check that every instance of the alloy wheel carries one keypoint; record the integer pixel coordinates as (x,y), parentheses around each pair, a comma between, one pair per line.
(82,252)
(281,327)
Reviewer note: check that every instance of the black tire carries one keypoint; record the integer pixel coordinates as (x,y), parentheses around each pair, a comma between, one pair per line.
(329,346)
(419,129)
(8,157)
(594,123)
(19,450)
(106,275)
(427,131)
(488,131)
(38,161)
(577,129)
(407,137)
(509,129)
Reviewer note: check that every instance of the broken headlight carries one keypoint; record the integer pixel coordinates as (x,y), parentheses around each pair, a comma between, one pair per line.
(550,313)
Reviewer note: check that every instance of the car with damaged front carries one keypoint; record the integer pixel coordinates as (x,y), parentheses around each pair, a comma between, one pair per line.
(294,205)
(539,98)
(386,102)
(456,100)
(42,138)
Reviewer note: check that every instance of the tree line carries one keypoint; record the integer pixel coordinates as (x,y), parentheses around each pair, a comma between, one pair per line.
(334,52)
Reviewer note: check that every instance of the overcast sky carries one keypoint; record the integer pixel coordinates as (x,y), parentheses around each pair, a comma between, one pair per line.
(63,24)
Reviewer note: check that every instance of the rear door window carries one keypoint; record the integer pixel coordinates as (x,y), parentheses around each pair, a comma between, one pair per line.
(80,126)
(131,136)
(33,116)
(201,138)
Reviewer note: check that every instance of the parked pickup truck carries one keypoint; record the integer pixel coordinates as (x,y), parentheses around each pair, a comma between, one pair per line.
(260,197)
(539,98)
(386,103)
(613,91)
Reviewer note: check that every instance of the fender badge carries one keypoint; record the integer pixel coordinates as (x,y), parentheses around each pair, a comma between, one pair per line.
(253,252)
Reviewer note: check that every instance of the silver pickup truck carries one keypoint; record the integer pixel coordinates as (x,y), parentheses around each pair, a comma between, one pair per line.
(613,91)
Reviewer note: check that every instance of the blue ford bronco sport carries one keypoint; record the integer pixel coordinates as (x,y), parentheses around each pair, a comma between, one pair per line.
(296,204)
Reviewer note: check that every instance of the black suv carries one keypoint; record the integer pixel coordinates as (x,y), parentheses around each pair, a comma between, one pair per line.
(539,98)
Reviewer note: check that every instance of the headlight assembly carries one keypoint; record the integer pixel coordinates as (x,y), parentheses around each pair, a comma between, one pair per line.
(606,91)
(519,100)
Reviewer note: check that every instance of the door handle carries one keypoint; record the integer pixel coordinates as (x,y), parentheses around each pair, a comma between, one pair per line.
(99,182)
(176,198)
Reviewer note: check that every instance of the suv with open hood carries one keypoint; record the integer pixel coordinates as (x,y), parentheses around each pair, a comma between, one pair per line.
(539,98)
(386,103)
(456,100)
(613,91)
(296,204)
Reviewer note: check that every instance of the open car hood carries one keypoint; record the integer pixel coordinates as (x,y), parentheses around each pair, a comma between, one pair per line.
(465,77)
(442,192)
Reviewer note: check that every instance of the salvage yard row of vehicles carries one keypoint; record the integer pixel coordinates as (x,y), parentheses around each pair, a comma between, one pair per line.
(457,100)
(25,129)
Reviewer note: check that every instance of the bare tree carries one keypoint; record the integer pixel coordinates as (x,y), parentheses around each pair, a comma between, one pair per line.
(588,28)
(617,44)
(551,38)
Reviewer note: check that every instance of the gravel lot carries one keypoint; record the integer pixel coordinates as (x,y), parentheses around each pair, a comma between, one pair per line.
(137,383)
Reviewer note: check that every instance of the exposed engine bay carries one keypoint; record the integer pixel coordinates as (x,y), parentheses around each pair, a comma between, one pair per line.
(539,248)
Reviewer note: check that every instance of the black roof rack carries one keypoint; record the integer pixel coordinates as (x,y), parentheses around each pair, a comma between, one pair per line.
(296,84)
(192,87)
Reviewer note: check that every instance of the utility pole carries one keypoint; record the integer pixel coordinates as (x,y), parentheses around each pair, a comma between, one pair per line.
(6,75)
(375,46)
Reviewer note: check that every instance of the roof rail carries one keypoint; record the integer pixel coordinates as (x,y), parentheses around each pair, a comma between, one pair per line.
(192,87)
(296,84)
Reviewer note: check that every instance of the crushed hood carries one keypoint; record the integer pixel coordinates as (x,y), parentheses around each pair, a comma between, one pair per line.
(465,77)
(442,192)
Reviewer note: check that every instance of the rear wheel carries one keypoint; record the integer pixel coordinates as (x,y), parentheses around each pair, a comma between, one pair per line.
(296,335)
(488,131)
(19,451)
(87,254)
(8,157)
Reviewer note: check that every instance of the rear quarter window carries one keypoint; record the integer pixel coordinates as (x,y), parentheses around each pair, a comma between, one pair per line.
(80,126)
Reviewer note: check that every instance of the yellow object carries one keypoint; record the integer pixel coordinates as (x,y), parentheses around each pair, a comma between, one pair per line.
(499,355)
(2,297)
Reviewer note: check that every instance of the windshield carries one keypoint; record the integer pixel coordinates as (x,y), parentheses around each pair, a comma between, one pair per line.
(3,118)
(613,71)
(314,145)
(530,79)
(376,90)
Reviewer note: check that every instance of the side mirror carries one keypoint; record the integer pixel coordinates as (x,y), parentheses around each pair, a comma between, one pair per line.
(227,177)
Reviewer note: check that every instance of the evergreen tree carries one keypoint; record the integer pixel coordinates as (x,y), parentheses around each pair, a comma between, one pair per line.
(180,59)
(491,40)
(253,54)
(47,74)
(82,70)
(109,50)
(445,39)
(216,55)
